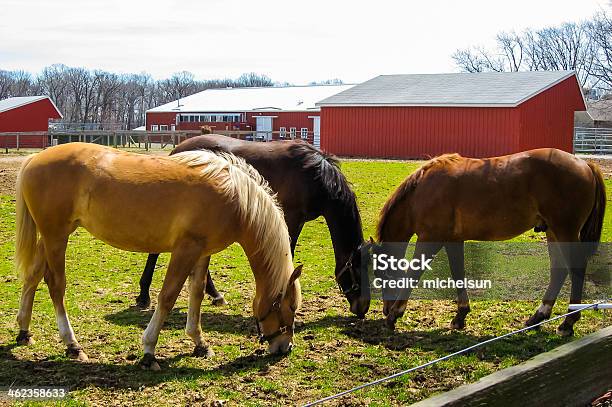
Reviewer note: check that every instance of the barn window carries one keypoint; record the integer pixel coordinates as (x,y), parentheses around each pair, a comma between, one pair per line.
(304,132)
(163,127)
(283,132)
(292,131)
(154,127)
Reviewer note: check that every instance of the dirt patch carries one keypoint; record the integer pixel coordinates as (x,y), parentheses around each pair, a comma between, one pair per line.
(9,167)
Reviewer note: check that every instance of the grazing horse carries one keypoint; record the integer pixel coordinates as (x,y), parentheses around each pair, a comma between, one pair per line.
(308,184)
(451,199)
(192,205)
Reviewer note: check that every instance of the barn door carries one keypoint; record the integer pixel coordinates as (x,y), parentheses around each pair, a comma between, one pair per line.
(316,131)
(264,128)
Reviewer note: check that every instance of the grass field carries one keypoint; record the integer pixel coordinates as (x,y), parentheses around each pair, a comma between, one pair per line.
(334,351)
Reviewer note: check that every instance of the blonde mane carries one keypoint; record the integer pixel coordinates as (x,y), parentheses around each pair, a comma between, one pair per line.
(256,206)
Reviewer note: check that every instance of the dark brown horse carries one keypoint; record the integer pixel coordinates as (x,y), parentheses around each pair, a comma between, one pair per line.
(452,199)
(308,184)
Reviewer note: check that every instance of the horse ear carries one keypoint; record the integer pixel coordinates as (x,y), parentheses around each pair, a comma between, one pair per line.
(296,274)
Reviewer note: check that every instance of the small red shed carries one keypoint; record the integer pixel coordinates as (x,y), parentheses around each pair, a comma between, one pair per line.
(474,114)
(26,114)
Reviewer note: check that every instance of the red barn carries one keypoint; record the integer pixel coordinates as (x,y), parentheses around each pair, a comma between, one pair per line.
(474,114)
(290,111)
(26,114)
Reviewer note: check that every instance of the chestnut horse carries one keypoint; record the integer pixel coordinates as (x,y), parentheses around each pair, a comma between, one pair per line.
(451,199)
(192,205)
(308,184)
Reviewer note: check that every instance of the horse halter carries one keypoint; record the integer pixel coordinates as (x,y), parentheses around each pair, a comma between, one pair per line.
(281,331)
(354,283)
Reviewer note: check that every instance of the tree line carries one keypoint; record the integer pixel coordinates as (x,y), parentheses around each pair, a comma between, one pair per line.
(97,96)
(585,47)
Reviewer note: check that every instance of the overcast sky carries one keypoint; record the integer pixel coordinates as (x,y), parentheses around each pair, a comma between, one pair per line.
(294,41)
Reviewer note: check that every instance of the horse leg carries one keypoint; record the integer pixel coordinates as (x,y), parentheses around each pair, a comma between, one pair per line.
(396,311)
(193,329)
(399,250)
(294,228)
(55,277)
(211,290)
(30,283)
(182,261)
(456,259)
(558,274)
(143,300)
(577,262)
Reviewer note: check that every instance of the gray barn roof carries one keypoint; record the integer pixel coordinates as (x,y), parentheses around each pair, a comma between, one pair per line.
(491,89)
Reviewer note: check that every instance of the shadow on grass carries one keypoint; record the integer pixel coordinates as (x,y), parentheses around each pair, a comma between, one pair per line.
(211,321)
(441,341)
(369,331)
(60,371)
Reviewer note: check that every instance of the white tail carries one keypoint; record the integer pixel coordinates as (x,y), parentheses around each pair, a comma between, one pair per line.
(25,244)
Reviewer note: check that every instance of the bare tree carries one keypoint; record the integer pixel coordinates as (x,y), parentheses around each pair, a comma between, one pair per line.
(569,46)
(601,34)
(253,79)
(97,96)
(52,82)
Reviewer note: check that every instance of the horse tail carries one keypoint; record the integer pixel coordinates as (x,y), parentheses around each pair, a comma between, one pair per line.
(25,244)
(591,231)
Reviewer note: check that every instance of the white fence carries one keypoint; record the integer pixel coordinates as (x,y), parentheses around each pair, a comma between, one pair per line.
(589,140)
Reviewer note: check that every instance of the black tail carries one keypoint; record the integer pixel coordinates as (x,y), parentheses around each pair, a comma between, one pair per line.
(591,231)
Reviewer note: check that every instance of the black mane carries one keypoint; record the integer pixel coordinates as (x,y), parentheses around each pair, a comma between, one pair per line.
(342,202)
(326,169)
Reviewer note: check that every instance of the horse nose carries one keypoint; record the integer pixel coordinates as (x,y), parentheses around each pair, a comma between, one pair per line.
(280,347)
(360,307)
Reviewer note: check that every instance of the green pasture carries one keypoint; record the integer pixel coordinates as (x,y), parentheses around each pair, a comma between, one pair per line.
(334,351)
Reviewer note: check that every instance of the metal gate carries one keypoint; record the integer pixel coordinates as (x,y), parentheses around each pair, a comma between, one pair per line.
(589,140)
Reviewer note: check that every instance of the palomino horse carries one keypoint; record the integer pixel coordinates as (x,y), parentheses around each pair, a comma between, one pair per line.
(308,184)
(192,205)
(451,199)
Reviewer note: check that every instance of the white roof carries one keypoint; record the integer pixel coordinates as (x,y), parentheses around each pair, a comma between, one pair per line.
(12,103)
(289,98)
(489,89)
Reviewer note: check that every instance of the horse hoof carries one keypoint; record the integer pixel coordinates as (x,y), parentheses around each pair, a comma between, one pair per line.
(457,324)
(24,338)
(143,303)
(565,330)
(219,301)
(202,351)
(148,362)
(536,319)
(76,352)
